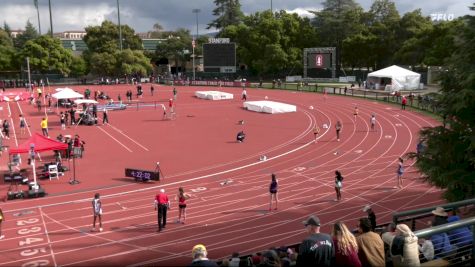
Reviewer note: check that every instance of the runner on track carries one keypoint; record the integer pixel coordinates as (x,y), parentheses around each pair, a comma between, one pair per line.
(273,191)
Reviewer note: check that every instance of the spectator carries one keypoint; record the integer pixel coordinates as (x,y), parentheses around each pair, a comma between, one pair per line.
(440,216)
(441,242)
(371,216)
(270,259)
(234,262)
(427,249)
(404,248)
(461,237)
(317,249)
(200,255)
(370,245)
(387,238)
(346,248)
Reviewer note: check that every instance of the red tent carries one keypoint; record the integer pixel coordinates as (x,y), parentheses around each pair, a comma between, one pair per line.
(41,143)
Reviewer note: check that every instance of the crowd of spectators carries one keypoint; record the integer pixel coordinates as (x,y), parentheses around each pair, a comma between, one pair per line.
(396,246)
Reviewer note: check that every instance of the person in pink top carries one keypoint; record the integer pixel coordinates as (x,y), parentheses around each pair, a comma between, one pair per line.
(346,247)
(181,197)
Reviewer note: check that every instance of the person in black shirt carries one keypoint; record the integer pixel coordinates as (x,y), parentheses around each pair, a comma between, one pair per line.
(371,216)
(240,136)
(317,249)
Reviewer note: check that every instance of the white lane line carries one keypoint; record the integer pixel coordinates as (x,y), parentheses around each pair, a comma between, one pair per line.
(100,128)
(9,110)
(122,133)
(26,122)
(47,237)
(14,133)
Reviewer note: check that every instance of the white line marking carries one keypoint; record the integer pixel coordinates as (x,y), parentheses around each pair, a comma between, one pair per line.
(47,237)
(122,133)
(100,128)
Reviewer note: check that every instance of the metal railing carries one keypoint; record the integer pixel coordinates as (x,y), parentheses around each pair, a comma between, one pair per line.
(457,251)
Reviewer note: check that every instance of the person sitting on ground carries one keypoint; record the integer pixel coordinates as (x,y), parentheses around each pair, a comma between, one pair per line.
(241,136)
(426,248)
(200,255)
(371,216)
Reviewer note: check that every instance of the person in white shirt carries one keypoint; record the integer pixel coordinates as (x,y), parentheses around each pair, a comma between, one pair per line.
(427,249)
(97,210)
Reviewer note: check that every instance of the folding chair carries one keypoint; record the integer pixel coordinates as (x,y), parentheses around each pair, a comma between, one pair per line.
(53,171)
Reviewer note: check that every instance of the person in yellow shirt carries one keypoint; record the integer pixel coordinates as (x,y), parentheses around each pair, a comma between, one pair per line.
(44,126)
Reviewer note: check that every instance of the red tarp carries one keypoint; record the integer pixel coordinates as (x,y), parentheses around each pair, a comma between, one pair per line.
(41,142)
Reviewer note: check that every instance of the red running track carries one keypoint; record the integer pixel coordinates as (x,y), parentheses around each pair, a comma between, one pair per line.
(198,152)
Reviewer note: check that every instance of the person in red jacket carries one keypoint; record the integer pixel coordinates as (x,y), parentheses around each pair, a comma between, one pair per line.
(162,204)
(403,103)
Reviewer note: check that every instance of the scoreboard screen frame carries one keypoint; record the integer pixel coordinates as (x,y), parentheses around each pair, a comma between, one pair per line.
(230,55)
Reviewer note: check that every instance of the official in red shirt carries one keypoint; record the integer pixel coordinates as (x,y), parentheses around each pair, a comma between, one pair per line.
(162,204)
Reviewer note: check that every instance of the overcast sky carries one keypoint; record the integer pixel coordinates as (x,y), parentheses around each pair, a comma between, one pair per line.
(173,14)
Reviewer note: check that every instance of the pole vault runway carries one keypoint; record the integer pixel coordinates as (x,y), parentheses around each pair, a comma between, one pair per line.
(228,210)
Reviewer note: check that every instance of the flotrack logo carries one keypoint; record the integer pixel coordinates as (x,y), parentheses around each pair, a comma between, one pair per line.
(442,17)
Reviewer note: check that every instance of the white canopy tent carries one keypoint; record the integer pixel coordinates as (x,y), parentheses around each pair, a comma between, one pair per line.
(395,78)
(67,93)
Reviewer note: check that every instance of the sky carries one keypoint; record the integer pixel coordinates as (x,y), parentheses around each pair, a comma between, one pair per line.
(141,15)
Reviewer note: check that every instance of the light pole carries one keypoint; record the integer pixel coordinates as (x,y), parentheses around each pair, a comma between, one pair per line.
(196,11)
(120,29)
(38,13)
(271,9)
(50,18)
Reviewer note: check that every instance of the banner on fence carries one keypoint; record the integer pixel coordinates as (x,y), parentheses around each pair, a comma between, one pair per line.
(213,83)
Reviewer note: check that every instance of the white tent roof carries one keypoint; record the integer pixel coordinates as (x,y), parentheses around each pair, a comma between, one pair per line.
(393,71)
(67,94)
(401,79)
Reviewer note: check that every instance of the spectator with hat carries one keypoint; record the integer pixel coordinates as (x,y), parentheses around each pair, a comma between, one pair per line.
(317,249)
(441,241)
(371,216)
(370,245)
(200,255)
(440,216)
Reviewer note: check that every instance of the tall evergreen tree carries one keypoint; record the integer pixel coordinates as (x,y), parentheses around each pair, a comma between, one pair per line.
(30,33)
(448,160)
(7,29)
(228,13)
(338,20)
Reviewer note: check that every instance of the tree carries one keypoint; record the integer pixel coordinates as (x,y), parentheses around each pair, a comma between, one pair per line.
(30,33)
(228,13)
(47,54)
(7,29)
(413,29)
(7,51)
(338,20)
(448,161)
(175,47)
(78,66)
(105,38)
(272,43)
(119,63)
(384,23)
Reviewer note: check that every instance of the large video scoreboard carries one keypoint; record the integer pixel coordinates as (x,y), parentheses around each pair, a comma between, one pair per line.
(219,55)
(319,62)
